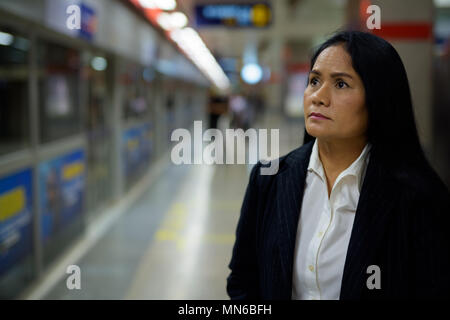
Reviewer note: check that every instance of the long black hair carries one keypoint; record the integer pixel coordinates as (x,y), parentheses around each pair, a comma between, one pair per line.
(391,127)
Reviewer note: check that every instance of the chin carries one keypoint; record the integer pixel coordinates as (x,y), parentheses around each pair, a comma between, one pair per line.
(317,132)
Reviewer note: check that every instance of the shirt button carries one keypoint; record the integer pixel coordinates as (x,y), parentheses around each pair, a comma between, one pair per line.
(311,267)
(320,234)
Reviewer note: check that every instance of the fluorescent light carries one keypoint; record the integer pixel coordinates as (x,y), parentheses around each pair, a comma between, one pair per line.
(99,64)
(171,21)
(166,5)
(147,4)
(6,39)
(164,21)
(178,20)
(194,47)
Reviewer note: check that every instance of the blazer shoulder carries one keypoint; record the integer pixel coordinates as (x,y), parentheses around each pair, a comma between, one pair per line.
(297,157)
(424,185)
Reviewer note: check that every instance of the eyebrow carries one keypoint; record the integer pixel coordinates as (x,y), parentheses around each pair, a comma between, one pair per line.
(334,74)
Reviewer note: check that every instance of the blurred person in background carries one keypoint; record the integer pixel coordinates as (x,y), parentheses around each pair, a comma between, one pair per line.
(357,212)
(238,108)
(257,107)
(217,106)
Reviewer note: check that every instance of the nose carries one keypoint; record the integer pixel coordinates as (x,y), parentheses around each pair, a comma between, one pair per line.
(321,97)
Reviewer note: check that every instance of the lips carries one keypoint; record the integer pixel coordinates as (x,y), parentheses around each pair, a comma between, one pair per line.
(318,115)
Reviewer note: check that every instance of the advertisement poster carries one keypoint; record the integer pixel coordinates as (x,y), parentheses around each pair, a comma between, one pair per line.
(15,218)
(89,22)
(62,185)
(138,146)
(59,16)
(146,142)
(296,88)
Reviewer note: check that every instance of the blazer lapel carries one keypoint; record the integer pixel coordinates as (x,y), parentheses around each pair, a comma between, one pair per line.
(290,187)
(375,203)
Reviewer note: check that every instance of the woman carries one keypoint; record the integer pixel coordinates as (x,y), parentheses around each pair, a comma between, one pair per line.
(356,212)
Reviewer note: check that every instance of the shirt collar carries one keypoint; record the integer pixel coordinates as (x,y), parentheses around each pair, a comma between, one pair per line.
(357,168)
(315,164)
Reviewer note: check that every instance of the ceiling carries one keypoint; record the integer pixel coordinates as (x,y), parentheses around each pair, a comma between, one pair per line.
(293,21)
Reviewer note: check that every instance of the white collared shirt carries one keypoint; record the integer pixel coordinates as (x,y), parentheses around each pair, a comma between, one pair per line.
(324,228)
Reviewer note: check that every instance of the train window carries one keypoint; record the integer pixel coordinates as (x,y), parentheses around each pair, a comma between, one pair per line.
(59,91)
(14,97)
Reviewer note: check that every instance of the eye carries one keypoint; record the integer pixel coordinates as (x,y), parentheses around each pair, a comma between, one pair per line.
(314,81)
(341,84)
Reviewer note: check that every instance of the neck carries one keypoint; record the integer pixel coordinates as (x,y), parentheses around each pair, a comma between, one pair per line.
(338,155)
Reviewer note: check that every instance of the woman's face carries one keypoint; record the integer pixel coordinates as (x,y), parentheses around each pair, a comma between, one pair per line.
(334,100)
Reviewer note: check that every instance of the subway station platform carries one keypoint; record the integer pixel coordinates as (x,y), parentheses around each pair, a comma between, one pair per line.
(93,91)
(170,239)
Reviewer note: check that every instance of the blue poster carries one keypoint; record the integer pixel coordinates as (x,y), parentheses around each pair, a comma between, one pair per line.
(137,149)
(89,22)
(132,155)
(15,218)
(62,185)
(146,142)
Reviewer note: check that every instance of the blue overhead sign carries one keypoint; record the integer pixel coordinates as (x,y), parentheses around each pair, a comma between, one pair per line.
(257,15)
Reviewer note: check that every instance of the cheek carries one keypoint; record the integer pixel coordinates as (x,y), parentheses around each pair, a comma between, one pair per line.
(355,115)
(352,105)
(306,101)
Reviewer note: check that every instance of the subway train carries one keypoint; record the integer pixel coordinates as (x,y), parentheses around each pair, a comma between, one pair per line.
(84,114)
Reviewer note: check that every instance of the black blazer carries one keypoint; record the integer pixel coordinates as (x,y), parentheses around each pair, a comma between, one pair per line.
(402,225)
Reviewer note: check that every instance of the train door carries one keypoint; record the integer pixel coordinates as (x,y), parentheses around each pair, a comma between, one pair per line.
(98,120)
(16,163)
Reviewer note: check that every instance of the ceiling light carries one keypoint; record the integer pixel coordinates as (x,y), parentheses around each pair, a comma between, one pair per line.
(171,21)
(178,19)
(164,21)
(190,42)
(252,73)
(6,39)
(147,4)
(166,5)
(99,64)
